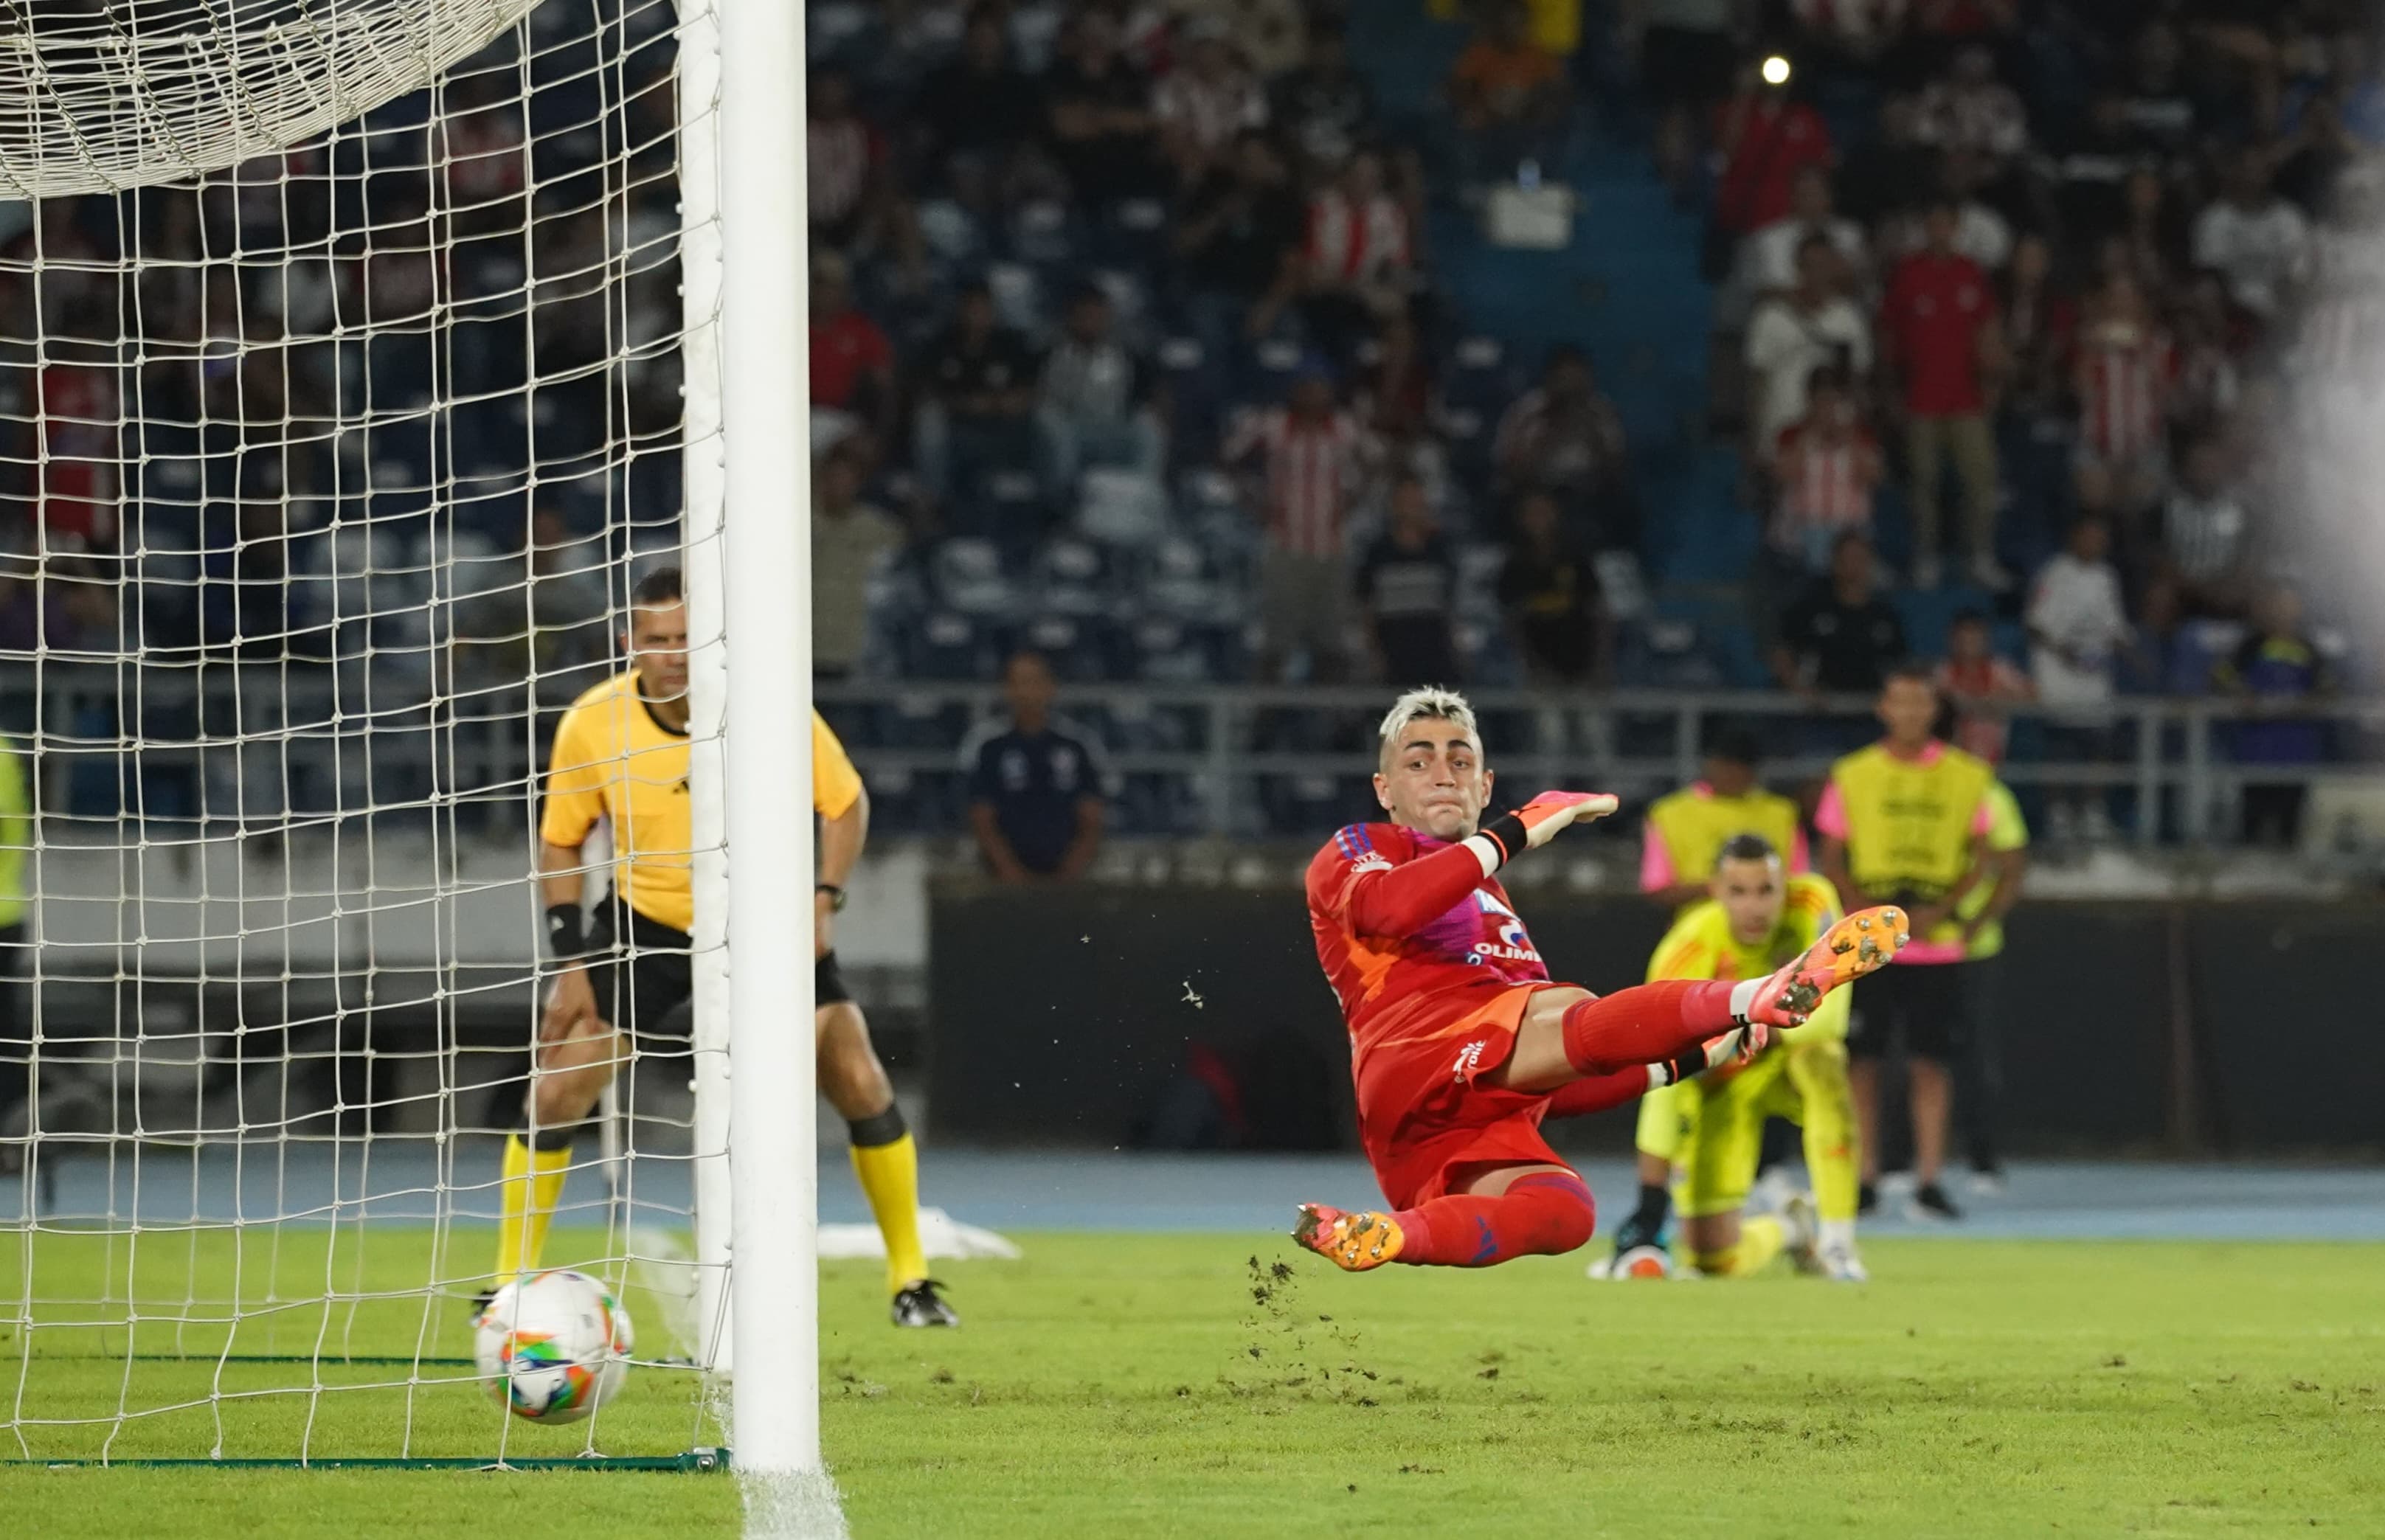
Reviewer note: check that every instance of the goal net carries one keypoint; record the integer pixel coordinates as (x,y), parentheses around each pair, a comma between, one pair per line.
(340,361)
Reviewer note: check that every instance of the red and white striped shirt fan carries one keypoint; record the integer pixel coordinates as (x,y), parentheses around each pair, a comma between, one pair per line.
(1350,245)
(1311,476)
(1826,483)
(2124,393)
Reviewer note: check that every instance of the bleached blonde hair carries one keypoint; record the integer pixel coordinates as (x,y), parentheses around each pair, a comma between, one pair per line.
(1425,704)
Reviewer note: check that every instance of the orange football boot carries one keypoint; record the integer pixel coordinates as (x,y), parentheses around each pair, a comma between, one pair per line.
(1353,1241)
(1864,942)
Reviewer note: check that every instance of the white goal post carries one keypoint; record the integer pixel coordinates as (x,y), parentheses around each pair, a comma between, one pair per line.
(356,360)
(774,1268)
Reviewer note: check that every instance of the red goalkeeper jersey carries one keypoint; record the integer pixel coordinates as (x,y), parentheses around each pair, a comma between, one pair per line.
(1411,935)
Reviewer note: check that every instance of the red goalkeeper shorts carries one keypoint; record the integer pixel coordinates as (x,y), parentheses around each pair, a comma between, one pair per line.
(1424,1122)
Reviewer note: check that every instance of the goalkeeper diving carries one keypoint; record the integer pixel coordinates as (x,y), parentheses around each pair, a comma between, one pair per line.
(1460,1041)
(1711,1129)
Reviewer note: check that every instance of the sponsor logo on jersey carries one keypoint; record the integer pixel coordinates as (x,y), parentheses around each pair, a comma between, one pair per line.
(1513,945)
(1470,1059)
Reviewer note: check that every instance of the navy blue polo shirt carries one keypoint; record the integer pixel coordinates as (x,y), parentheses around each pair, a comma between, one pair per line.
(1035,781)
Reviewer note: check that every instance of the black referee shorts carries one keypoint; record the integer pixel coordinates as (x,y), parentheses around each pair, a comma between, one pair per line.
(827,984)
(1925,1005)
(643,976)
(644,987)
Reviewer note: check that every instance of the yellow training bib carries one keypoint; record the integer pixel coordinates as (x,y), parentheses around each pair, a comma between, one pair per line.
(1695,824)
(1909,821)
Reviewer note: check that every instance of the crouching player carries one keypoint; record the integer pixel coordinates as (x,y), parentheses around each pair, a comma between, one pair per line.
(1713,1128)
(1460,1044)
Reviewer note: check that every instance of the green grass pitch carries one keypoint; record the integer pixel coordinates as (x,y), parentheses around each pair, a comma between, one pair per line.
(1167,1385)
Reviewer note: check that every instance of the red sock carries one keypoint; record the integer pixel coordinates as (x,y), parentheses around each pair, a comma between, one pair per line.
(1542,1215)
(1647,1025)
(1596,1093)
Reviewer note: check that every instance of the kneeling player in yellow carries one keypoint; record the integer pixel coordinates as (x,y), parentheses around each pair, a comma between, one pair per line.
(1712,1128)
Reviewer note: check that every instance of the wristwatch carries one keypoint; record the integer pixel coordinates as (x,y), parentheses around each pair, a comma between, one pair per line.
(836,896)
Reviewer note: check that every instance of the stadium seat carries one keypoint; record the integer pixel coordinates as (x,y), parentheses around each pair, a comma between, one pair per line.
(1034,32)
(950,231)
(949,645)
(857,724)
(1041,234)
(968,576)
(1621,585)
(1133,233)
(1476,377)
(897,805)
(1181,581)
(1197,386)
(1174,652)
(1128,296)
(1491,660)
(1072,578)
(1073,645)
(1478,568)
(923,722)
(1121,507)
(1017,295)
(1675,657)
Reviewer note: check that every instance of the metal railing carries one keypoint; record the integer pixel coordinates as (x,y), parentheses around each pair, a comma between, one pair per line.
(266,741)
(2172,767)
(2170,761)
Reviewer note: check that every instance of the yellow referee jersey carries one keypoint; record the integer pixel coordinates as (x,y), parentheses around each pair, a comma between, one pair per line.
(614,761)
(1701,945)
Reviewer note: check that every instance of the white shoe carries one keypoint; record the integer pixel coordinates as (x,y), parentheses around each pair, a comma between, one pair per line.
(1928,571)
(1800,1228)
(1840,1264)
(1985,1184)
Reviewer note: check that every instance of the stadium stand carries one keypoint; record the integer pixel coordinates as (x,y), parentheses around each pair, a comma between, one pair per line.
(1077,265)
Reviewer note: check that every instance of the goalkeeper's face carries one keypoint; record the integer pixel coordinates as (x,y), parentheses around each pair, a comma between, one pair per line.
(658,649)
(1432,779)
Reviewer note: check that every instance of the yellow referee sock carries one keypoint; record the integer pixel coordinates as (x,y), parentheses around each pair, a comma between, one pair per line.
(1760,1240)
(533,1185)
(886,1162)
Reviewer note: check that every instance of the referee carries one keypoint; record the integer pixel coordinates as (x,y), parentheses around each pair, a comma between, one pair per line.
(621,756)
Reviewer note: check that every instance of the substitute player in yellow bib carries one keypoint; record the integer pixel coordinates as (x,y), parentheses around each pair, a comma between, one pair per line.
(1906,822)
(620,757)
(1714,1127)
(1684,832)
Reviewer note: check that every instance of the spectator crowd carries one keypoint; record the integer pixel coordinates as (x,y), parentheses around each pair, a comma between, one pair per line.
(2059,306)
(1155,284)
(1132,348)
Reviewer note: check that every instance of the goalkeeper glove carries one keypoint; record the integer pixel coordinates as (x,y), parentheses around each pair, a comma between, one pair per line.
(1737,1046)
(1536,823)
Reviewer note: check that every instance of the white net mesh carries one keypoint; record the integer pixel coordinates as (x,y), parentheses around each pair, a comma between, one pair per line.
(324,475)
(95,97)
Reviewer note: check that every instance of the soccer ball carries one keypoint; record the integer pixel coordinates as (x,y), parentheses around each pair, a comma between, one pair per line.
(554,1345)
